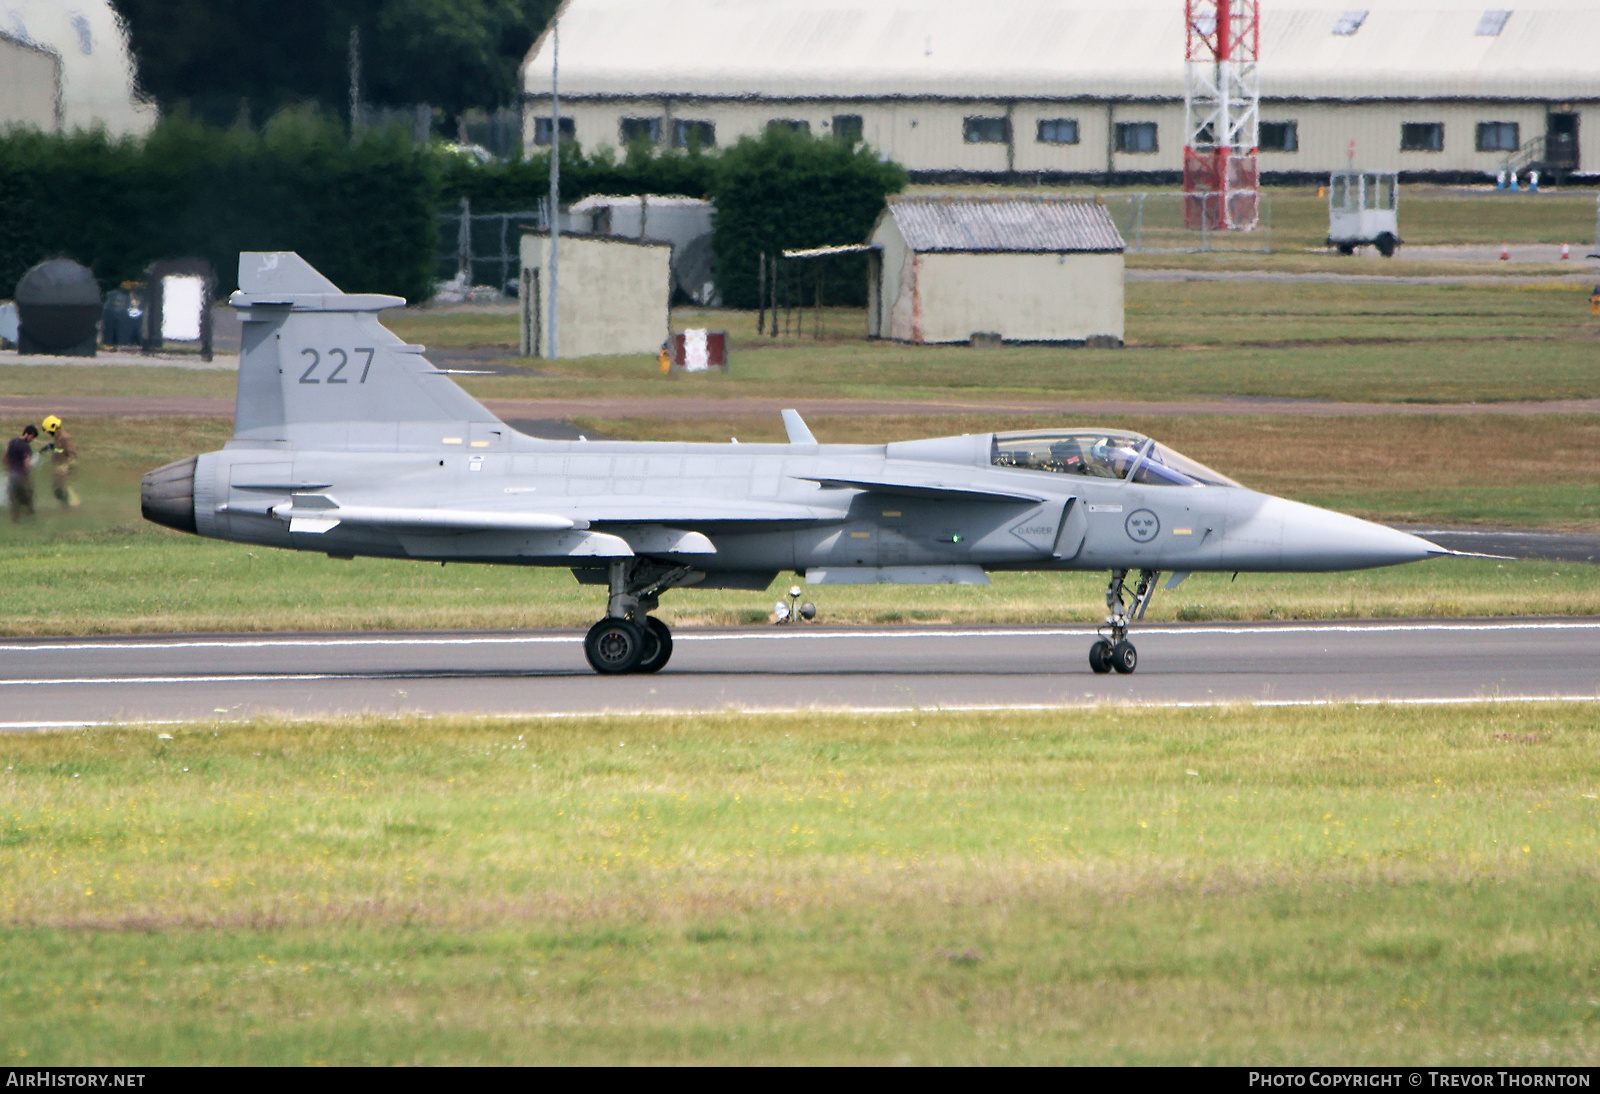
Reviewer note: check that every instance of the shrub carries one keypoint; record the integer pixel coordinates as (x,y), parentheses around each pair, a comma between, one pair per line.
(361,212)
(784,191)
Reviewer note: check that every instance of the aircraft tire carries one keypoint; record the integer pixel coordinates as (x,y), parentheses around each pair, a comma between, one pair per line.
(1100,656)
(657,646)
(614,646)
(1124,658)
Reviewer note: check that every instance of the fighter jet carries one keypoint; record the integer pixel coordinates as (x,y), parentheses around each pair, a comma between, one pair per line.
(349,442)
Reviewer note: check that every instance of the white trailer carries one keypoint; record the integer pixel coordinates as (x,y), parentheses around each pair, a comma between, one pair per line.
(1363,211)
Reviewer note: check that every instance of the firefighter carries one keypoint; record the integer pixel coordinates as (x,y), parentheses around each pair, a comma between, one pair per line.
(63,454)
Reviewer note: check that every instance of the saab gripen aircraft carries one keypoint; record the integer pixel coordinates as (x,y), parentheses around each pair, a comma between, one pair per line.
(349,442)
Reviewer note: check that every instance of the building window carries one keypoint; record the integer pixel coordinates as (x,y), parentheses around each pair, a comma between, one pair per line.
(1492,23)
(1136,136)
(1058,130)
(1499,136)
(690,134)
(1279,137)
(541,130)
(847,127)
(1349,22)
(793,125)
(1422,137)
(647,130)
(986,130)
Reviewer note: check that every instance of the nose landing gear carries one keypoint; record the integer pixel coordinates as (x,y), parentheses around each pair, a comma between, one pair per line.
(629,639)
(1113,651)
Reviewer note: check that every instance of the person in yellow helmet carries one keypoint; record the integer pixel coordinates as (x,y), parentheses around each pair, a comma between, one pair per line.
(63,454)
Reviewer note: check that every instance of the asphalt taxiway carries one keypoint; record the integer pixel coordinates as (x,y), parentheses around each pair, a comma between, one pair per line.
(66,682)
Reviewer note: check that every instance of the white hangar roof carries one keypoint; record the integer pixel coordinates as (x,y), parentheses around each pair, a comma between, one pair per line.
(1046,49)
(1050,225)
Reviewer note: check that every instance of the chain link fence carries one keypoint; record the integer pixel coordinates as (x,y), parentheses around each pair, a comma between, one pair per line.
(1157,224)
(484,248)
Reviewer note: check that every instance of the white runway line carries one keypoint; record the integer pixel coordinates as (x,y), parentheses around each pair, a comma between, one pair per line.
(235,678)
(134,644)
(1468,700)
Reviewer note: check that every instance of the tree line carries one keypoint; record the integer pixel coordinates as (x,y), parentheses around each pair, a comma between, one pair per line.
(363,207)
(227,60)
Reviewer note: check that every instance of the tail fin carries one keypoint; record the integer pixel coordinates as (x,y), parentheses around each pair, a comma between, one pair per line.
(316,367)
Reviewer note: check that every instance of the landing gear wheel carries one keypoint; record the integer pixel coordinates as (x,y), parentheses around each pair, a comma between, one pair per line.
(1100,656)
(614,646)
(657,646)
(1124,658)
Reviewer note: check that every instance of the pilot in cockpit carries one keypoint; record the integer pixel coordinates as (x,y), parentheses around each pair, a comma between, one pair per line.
(1117,453)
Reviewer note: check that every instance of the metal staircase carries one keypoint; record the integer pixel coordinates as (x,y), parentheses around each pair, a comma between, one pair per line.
(1553,156)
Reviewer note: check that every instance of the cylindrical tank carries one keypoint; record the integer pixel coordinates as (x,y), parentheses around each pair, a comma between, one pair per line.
(58,308)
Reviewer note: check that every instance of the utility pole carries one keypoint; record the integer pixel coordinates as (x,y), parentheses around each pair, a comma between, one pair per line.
(555,176)
(355,80)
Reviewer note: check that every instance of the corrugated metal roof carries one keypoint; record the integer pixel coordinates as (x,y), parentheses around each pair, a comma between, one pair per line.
(1005,224)
(1056,49)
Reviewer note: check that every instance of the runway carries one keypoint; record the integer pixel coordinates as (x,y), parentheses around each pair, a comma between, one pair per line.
(69,682)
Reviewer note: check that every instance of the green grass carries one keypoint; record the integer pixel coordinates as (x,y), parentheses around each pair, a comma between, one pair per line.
(1116,885)
(162,582)
(1337,265)
(1356,342)
(115,381)
(1430,215)
(1186,340)
(1441,216)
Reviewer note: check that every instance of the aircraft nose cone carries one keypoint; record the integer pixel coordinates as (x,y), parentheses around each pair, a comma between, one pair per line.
(1313,539)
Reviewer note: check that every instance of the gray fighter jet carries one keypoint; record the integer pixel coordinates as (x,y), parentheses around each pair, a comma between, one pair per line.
(347,441)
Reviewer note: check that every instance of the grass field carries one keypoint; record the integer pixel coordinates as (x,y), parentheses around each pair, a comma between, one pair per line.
(1117,885)
(1389,342)
(1351,342)
(101,569)
(1440,216)
(1430,215)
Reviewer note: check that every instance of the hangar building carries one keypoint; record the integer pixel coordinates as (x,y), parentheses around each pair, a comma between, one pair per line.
(94,84)
(30,85)
(1081,89)
(1035,269)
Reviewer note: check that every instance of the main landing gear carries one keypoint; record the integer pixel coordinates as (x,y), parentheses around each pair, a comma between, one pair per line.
(1113,650)
(629,639)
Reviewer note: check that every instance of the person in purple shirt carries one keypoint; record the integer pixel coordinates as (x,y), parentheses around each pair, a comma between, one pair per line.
(19,473)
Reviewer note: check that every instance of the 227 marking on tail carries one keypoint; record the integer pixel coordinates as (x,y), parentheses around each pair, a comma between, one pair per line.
(344,359)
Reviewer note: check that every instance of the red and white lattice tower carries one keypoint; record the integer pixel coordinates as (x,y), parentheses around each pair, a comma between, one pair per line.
(1221,110)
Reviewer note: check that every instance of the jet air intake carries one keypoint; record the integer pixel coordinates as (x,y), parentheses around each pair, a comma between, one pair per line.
(166,496)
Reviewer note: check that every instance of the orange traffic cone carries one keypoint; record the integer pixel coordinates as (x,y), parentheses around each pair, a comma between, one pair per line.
(1566,252)
(1505,252)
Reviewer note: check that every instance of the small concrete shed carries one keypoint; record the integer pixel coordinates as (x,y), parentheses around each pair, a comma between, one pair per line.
(954,269)
(614,294)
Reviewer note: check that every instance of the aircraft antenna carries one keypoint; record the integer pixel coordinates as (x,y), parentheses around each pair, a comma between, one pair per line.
(1221,114)
(555,174)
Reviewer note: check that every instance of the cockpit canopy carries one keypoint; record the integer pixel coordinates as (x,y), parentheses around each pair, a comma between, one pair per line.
(1102,454)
